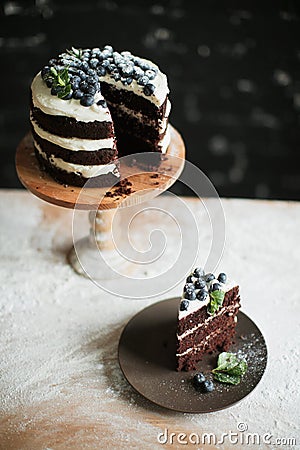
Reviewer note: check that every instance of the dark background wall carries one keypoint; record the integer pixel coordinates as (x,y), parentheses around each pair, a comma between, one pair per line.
(233,67)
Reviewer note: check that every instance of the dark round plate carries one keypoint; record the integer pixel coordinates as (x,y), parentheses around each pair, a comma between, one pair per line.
(147,350)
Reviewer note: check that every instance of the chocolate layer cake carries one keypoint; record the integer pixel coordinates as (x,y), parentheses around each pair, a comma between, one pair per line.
(207,317)
(90,106)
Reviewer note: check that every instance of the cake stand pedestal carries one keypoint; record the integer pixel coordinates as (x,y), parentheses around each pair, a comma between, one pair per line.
(101,202)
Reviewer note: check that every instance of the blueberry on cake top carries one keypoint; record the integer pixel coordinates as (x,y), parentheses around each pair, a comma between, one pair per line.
(89,106)
(207,316)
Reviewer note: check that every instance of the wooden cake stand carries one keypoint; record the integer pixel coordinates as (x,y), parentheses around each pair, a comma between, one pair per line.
(101,202)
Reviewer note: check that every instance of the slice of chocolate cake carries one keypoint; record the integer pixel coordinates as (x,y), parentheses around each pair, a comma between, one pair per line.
(90,106)
(207,317)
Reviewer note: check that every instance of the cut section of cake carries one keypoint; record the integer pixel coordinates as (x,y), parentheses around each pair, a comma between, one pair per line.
(90,106)
(207,317)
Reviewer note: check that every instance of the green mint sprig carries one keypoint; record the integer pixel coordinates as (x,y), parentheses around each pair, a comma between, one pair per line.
(216,300)
(61,81)
(230,368)
(77,52)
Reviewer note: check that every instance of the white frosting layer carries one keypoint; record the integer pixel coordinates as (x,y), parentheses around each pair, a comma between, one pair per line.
(85,171)
(54,106)
(74,144)
(195,305)
(196,348)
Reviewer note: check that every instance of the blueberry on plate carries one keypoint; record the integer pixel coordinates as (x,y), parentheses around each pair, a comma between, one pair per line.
(208,386)
(184,304)
(201,295)
(198,380)
(200,284)
(209,277)
(198,272)
(87,100)
(222,277)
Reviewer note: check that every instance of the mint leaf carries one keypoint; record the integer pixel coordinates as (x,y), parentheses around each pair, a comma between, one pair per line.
(77,52)
(216,300)
(65,91)
(230,369)
(226,362)
(226,378)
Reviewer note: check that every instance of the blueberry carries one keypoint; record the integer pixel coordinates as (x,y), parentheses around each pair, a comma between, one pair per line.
(190,294)
(137,72)
(142,81)
(55,90)
(94,63)
(188,286)
(150,74)
(126,55)
(91,80)
(75,84)
(102,103)
(105,63)
(83,86)
(209,277)
(91,90)
(198,380)
(84,66)
(45,71)
(109,49)
(116,76)
(184,304)
(222,277)
(198,272)
(201,295)
(208,386)
(128,81)
(101,71)
(81,74)
(87,100)
(75,78)
(149,89)
(200,284)
(127,69)
(189,279)
(118,58)
(215,287)
(77,94)
(144,65)
(49,83)
(52,62)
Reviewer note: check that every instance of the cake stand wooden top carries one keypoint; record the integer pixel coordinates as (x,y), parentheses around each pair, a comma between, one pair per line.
(145,185)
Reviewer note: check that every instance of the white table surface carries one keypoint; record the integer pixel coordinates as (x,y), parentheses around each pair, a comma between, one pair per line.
(60,383)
